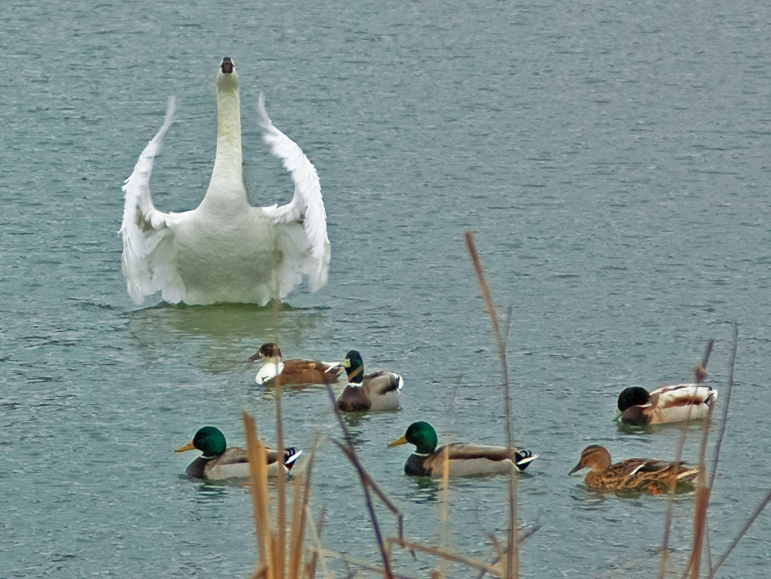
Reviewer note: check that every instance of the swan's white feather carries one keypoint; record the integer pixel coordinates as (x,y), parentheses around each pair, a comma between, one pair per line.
(145,230)
(306,204)
(225,250)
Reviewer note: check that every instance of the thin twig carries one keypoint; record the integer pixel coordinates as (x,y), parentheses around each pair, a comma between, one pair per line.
(702,501)
(445,555)
(512,567)
(745,528)
(673,482)
(522,538)
(281,509)
(729,389)
(350,452)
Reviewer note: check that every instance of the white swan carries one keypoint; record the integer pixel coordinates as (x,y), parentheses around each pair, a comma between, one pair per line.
(225,250)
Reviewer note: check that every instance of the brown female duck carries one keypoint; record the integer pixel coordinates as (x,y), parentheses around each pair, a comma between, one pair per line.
(639,474)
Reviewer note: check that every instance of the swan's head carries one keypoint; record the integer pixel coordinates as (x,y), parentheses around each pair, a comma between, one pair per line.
(227,77)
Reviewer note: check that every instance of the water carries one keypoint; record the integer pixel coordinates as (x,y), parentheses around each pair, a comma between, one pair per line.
(611,159)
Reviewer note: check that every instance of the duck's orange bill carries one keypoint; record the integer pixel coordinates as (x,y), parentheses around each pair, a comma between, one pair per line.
(402,440)
(188,446)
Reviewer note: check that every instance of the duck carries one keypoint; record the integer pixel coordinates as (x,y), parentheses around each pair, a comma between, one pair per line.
(638,474)
(374,392)
(638,407)
(279,372)
(225,250)
(218,462)
(465,459)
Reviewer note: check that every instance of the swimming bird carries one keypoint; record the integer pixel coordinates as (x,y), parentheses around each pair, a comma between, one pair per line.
(639,407)
(218,462)
(465,459)
(278,371)
(225,250)
(378,391)
(640,474)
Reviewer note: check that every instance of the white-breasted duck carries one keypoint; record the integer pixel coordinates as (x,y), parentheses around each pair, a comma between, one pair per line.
(278,371)
(373,392)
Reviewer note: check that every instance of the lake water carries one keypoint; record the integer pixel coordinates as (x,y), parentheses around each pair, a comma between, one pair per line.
(611,158)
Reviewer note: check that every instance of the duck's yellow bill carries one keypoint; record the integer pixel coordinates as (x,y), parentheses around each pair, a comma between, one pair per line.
(188,446)
(402,440)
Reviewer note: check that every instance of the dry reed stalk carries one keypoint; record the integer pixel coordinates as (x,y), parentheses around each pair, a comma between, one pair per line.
(295,540)
(258,468)
(445,494)
(446,555)
(726,402)
(281,484)
(310,568)
(673,482)
(756,513)
(512,566)
(359,563)
(299,519)
(702,501)
(367,484)
(502,551)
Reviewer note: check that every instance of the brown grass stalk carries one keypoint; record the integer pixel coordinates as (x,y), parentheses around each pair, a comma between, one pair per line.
(281,487)
(310,567)
(678,459)
(444,517)
(512,567)
(756,513)
(366,482)
(258,469)
(446,555)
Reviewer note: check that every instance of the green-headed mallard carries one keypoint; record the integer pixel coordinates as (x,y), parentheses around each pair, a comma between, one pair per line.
(639,407)
(218,462)
(278,371)
(378,391)
(639,474)
(465,459)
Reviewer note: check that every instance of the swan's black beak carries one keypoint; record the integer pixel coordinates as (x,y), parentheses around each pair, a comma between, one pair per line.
(227,65)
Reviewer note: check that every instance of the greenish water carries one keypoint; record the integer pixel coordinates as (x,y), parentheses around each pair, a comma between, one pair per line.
(611,159)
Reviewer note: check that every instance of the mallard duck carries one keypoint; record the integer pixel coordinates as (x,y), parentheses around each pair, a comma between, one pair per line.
(465,459)
(225,250)
(277,371)
(378,391)
(218,462)
(640,474)
(639,407)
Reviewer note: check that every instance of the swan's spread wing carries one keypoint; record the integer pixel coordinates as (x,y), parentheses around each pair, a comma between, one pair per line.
(145,228)
(307,203)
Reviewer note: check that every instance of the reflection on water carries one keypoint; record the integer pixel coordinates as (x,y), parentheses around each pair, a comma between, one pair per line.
(222,332)
(423,489)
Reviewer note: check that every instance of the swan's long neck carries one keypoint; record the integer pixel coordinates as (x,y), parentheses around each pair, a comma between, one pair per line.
(226,188)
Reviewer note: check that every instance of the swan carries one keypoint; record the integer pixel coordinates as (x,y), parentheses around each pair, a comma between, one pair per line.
(225,250)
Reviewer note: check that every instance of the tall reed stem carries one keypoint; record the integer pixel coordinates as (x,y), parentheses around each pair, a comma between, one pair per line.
(512,554)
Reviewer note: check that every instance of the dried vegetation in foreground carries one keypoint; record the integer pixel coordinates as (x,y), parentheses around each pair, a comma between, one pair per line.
(302,556)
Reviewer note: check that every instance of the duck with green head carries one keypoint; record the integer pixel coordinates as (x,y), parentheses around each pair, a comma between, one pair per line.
(464,459)
(218,462)
(373,392)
